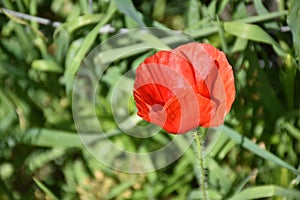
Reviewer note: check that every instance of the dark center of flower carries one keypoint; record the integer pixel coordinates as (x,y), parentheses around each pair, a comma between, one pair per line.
(157,107)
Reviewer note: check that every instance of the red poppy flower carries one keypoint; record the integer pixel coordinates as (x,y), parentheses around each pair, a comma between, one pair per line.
(190,86)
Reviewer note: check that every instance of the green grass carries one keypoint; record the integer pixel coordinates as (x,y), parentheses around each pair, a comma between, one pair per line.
(256,156)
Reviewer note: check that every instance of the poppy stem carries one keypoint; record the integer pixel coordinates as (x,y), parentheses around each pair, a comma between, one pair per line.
(199,138)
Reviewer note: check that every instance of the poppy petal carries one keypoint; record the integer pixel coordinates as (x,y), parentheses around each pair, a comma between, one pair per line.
(190,86)
(170,60)
(211,65)
(225,70)
(177,111)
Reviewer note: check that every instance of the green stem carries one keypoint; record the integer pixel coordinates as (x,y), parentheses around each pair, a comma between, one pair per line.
(199,137)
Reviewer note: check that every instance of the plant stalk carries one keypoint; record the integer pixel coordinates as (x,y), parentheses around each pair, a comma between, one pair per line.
(199,138)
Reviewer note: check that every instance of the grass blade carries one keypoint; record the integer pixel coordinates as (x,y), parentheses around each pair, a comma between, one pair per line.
(250,32)
(51,138)
(45,189)
(46,66)
(126,7)
(71,70)
(293,21)
(254,148)
(266,191)
(193,15)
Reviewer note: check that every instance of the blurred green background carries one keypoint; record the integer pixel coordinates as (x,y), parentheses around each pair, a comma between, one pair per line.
(41,156)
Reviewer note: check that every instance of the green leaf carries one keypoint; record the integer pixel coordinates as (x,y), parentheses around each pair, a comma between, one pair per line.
(219,178)
(159,9)
(249,31)
(254,148)
(287,77)
(126,7)
(252,32)
(45,189)
(292,130)
(193,15)
(263,17)
(62,41)
(239,45)
(212,9)
(51,138)
(39,159)
(147,41)
(260,8)
(221,140)
(241,10)
(222,5)
(117,190)
(79,171)
(212,29)
(266,191)
(57,138)
(197,194)
(81,21)
(152,39)
(222,36)
(226,149)
(293,22)
(46,66)
(18,20)
(71,70)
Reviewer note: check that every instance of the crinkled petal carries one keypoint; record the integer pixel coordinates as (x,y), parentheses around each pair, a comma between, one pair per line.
(180,114)
(167,69)
(187,87)
(225,70)
(211,65)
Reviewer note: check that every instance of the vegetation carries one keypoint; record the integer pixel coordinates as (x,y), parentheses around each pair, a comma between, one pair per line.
(256,155)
